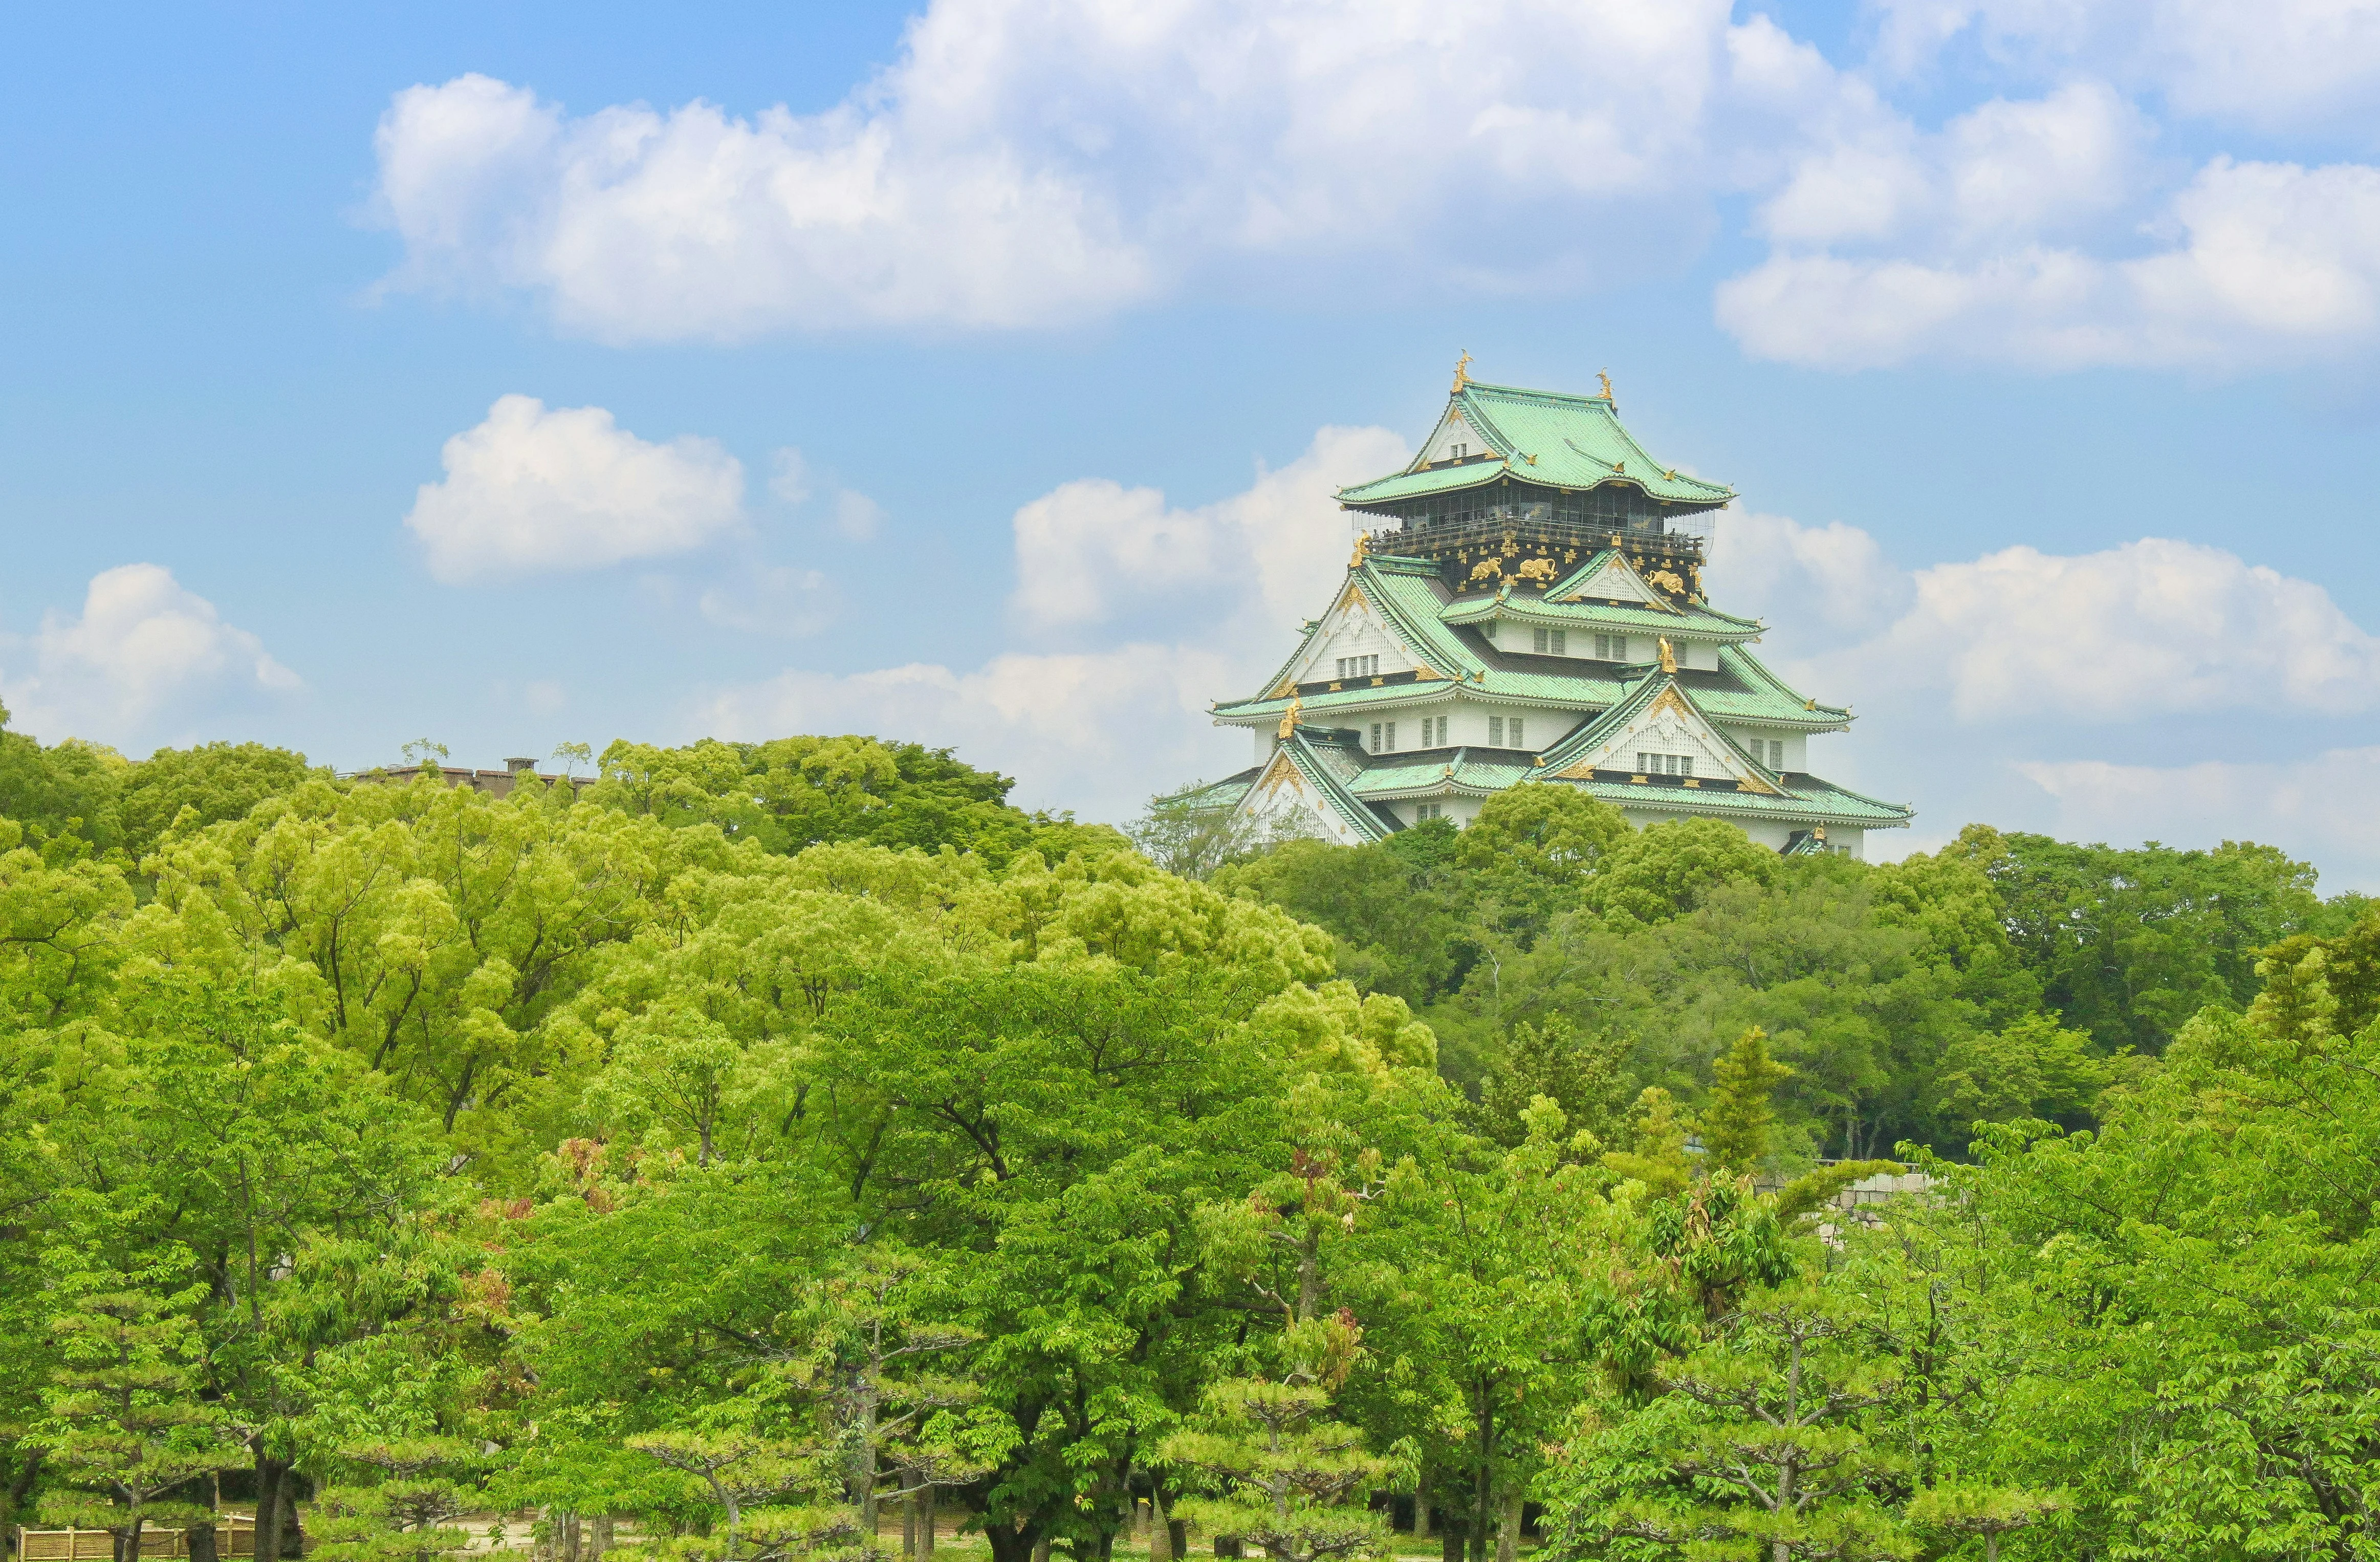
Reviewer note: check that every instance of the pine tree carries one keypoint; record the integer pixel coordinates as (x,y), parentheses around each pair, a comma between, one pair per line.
(401,1511)
(1737,1125)
(127,1427)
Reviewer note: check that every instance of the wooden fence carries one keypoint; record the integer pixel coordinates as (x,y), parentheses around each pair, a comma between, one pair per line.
(235,1536)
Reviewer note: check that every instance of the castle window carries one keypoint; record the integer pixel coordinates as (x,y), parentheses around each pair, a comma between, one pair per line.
(1611,648)
(1553,642)
(1359,666)
(1376,737)
(1433,732)
(1518,741)
(1389,745)
(1428,811)
(1495,732)
(1777,753)
(1665,764)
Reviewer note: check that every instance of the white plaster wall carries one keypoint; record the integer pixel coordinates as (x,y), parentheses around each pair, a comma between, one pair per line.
(1796,744)
(1460,811)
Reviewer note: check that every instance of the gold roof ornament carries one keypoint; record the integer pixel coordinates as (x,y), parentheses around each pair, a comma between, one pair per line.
(1811,703)
(1819,831)
(1605,375)
(1289,716)
(1363,540)
(1668,657)
(1462,370)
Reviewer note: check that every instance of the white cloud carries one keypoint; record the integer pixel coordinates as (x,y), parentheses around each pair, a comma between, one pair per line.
(771,599)
(789,476)
(2283,65)
(857,516)
(2026,689)
(145,652)
(2275,263)
(2152,627)
(2316,808)
(534,490)
(1040,163)
(1094,550)
(1030,164)
(1205,602)
(1762,566)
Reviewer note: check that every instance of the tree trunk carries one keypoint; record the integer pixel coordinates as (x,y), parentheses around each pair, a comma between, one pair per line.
(1177,1538)
(292,1540)
(268,1473)
(602,1535)
(565,1537)
(1161,1528)
(200,1539)
(909,1527)
(1010,1544)
(1042,1549)
(1421,1507)
(929,1500)
(1449,1539)
(1508,1531)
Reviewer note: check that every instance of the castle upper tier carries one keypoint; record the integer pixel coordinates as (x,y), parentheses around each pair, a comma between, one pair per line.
(1530,609)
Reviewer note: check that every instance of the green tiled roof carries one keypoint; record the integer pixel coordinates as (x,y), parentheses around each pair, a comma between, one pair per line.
(1347,779)
(1742,691)
(1692,618)
(1805,799)
(1328,766)
(1544,438)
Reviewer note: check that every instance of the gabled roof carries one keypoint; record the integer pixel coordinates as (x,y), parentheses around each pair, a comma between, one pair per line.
(1574,442)
(1326,762)
(1570,758)
(1408,594)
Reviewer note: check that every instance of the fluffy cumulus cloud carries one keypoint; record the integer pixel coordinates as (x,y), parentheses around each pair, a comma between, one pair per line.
(1029,163)
(534,488)
(2317,807)
(2280,66)
(1032,162)
(147,659)
(2028,689)
(1131,617)
(2271,262)
(2153,627)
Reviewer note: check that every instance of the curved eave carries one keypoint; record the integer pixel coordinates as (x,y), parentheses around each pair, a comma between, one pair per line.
(1668,619)
(1864,812)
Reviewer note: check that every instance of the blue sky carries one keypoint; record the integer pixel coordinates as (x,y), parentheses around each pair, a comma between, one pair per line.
(514,375)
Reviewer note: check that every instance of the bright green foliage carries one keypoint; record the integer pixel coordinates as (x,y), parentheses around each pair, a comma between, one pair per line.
(1757,1448)
(127,1430)
(1736,1125)
(2034,1068)
(1291,1480)
(1669,869)
(1481,1265)
(399,1504)
(1579,1073)
(214,781)
(1989,1512)
(67,799)
(794,792)
(1533,845)
(2129,944)
(623,1155)
(1396,931)
(2191,1294)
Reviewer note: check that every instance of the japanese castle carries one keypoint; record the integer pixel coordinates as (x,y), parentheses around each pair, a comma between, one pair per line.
(1530,609)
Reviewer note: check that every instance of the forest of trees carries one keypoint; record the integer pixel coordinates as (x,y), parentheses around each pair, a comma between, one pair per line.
(768,1147)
